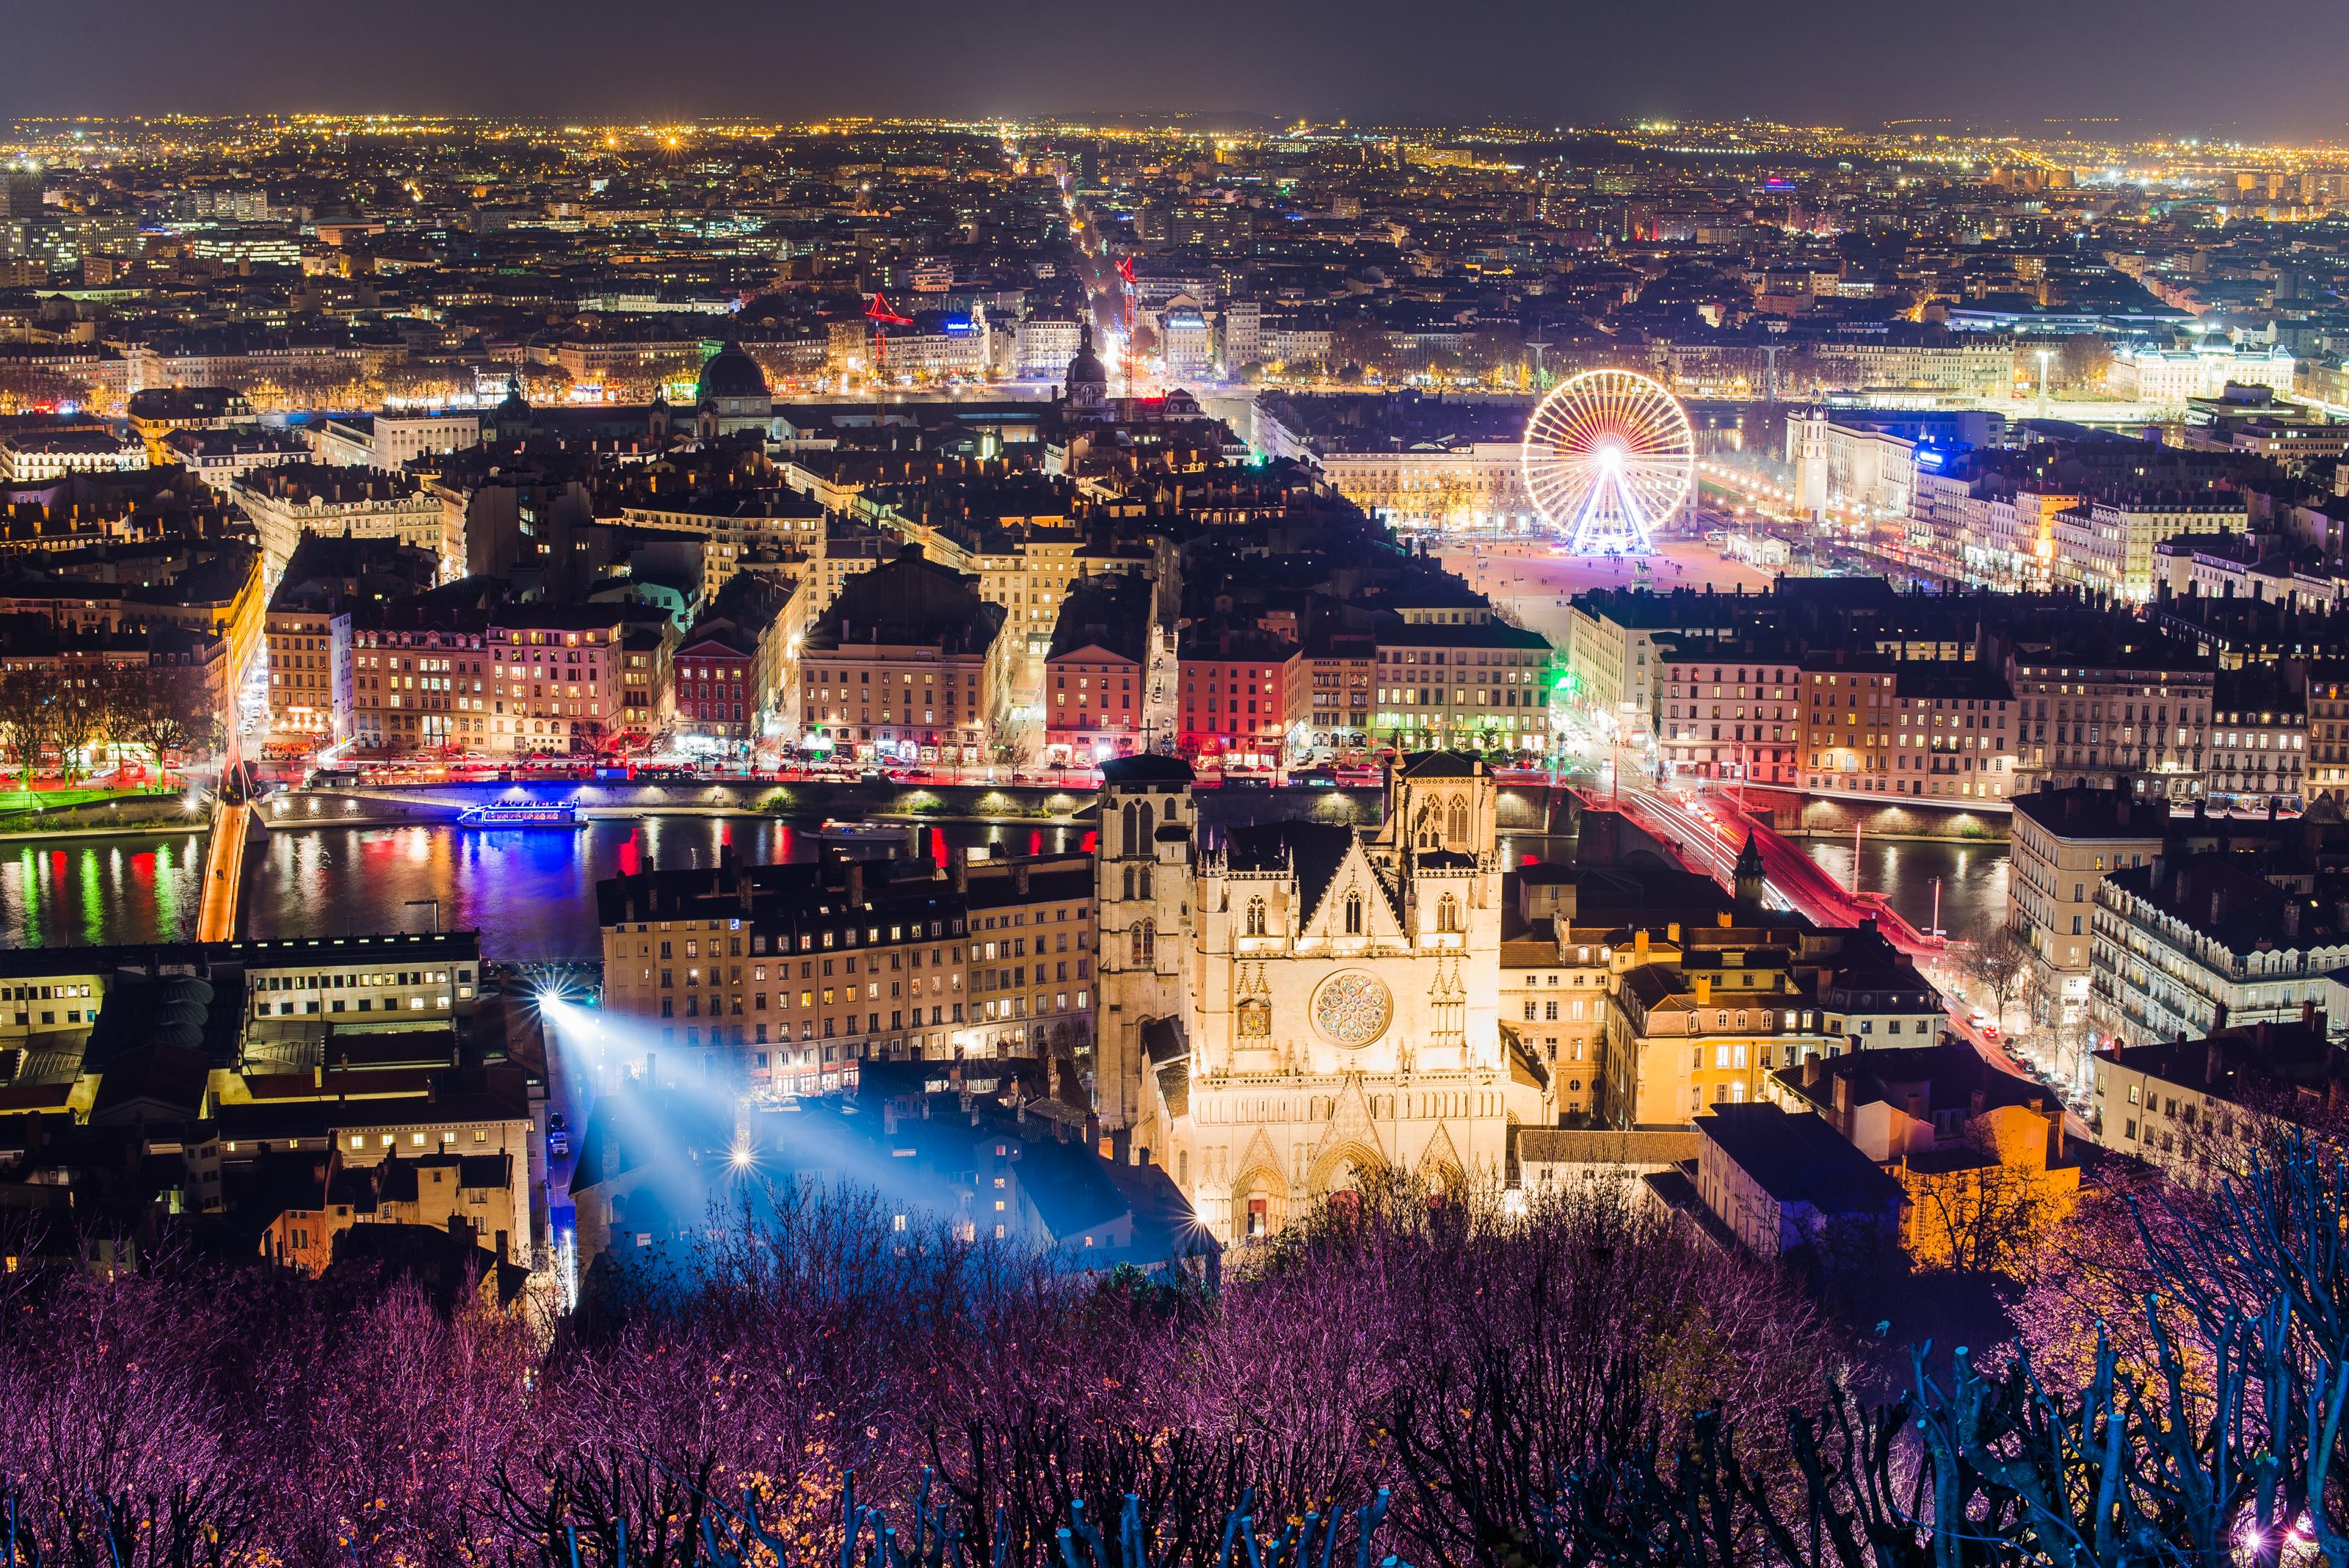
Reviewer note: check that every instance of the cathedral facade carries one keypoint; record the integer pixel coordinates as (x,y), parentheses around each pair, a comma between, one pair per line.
(1294,1004)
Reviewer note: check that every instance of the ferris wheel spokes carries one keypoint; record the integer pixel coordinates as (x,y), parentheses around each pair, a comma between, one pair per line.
(1611,522)
(1608,456)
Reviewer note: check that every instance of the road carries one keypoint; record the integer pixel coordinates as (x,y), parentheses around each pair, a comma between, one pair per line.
(1707,834)
(1711,844)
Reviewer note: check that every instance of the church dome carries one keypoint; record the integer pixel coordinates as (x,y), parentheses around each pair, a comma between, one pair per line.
(731,374)
(1086,369)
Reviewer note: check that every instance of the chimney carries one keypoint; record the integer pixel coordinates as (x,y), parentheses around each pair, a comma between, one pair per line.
(2291,918)
(1019,878)
(1703,990)
(1672,932)
(1815,1067)
(855,883)
(1640,944)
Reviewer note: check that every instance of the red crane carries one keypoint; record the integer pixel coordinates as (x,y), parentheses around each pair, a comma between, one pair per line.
(1125,294)
(882,319)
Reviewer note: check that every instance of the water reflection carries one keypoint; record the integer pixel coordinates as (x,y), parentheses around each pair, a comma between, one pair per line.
(532,894)
(87,890)
(1972,879)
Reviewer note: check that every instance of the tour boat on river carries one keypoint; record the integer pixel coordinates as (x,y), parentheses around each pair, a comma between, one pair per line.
(520,814)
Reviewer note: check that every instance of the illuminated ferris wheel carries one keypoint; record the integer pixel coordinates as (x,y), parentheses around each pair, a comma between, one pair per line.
(1609,457)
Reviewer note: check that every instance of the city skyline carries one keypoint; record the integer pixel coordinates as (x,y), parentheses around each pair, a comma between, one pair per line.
(1136,800)
(2070,62)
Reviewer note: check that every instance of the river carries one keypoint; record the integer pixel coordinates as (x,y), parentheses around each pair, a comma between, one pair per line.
(532,894)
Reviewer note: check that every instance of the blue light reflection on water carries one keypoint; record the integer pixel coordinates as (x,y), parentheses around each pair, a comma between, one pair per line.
(530,892)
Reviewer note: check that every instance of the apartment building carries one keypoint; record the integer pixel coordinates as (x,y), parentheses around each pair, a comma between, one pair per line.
(1729,709)
(555,681)
(1876,725)
(2203,1106)
(289,500)
(2326,693)
(364,980)
(1689,1027)
(1030,959)
(1612,660)
(2259,741)
(1244,693)
(1343,667)
(2134,715)
(1475,486)
(389,440)
(417,670)
(2110,545)
(1096,683)
(908,664)
(1476,683)
(157,411)
(785,976)
(734,527)
(2185,944)
(734,672)
(2063,844)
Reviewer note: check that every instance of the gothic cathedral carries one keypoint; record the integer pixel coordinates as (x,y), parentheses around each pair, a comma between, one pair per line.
(1296,1004)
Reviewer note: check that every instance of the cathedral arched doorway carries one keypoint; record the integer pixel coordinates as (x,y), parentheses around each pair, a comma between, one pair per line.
(1442,1180)
(1259,1203)
(1338,1177)
(1345,1169)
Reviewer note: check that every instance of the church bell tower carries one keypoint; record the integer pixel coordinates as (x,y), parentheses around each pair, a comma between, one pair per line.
(1141,887)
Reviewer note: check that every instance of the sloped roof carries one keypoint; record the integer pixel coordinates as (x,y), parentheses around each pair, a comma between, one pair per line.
(1799,1159)
(1439,765)
(1147,768)
(1311,851)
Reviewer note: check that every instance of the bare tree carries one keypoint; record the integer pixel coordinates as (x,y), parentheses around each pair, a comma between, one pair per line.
(2083,359)
(73,724)
(178,711)
(27,704)
(2001,966)
(1974,1214)
(115,698)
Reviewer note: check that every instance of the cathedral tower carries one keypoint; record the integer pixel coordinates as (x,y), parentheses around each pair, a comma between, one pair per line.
(1142,890)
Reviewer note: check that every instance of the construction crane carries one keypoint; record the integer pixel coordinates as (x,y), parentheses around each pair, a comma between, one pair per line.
(882,319)
(1125,294)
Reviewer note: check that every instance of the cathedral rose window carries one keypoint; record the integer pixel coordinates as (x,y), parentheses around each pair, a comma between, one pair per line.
(1352,1008)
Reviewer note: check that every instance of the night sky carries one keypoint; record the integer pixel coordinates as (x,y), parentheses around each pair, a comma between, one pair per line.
(2185,66)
